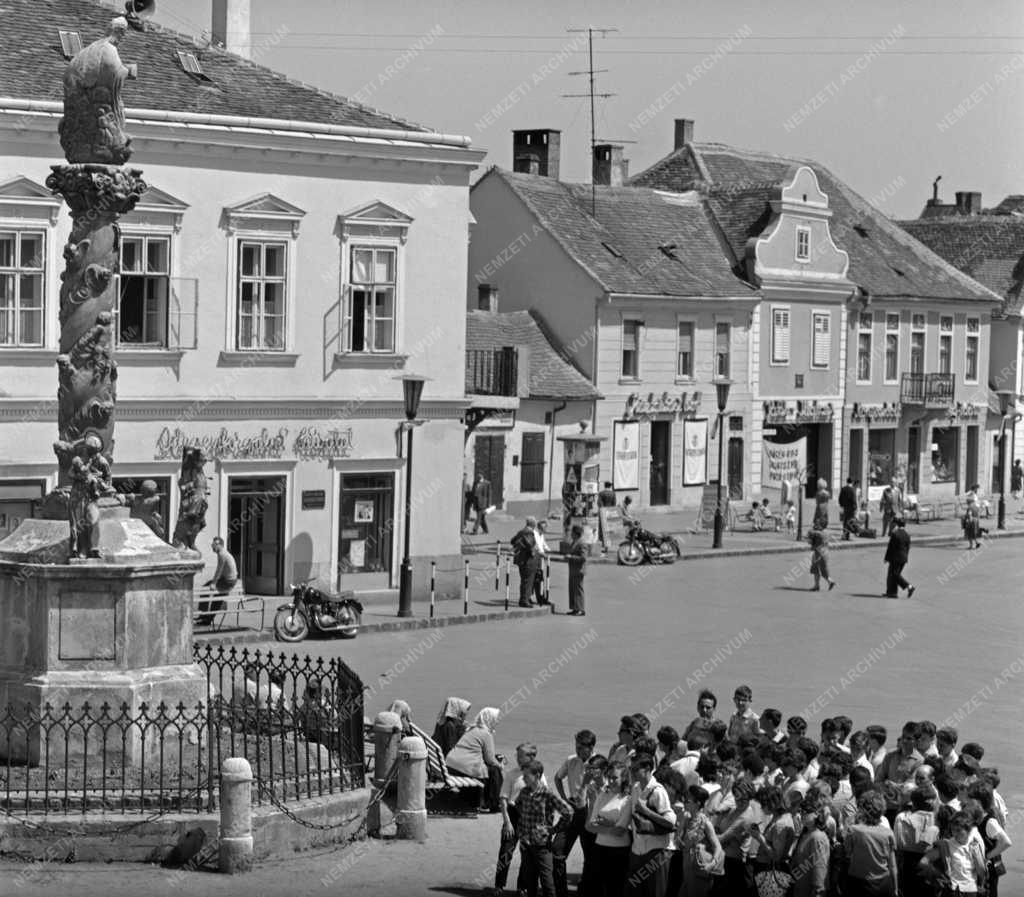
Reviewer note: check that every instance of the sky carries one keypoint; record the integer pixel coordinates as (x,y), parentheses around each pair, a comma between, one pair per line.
(886,94)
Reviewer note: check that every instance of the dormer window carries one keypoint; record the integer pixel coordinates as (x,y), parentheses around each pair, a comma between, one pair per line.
(70,43)
(190,64)
(803,244)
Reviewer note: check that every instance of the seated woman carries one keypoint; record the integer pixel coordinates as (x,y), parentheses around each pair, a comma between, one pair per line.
(404,712)
(474,756)
(451,723)
(863,516)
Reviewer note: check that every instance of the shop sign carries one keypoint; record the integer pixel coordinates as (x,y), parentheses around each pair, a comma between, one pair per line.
(170,444)
(313,499)
(682,405)
(324,444)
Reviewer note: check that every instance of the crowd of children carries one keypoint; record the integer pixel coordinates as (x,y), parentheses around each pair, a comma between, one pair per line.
(741,808)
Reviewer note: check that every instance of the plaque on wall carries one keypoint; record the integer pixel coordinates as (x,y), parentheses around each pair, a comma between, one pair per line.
(313,499)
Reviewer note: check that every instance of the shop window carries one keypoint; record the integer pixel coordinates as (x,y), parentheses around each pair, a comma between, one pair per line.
(22,265)
(531,464)
(945,457)
(881,457)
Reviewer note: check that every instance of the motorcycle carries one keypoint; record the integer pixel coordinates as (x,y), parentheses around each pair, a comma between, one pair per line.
(643,545)
(314,609)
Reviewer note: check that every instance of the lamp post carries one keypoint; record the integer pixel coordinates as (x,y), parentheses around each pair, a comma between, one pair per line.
(722,391)
(412,389)
(1005,396)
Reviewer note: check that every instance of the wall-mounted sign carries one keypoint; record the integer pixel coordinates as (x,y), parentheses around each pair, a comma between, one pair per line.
(498,420)
(326,444)
(695,452)
(313,499)
(799,412)
(170,443)
(682,405)
(626,454)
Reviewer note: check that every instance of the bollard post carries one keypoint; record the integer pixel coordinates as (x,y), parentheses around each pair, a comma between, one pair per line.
(411,810)
(433,586)
(547,580)
(387,729)
(236,846)
(497,566)
(508,578)
(465,593)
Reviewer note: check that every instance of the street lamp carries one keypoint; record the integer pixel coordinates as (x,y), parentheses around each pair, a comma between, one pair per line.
(1005,397)
(722,391)
(412,389)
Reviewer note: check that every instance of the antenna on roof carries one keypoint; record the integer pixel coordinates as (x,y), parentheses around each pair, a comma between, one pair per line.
(137,11)
(591,71)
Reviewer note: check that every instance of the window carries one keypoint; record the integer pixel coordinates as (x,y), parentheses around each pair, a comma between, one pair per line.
(370,312)
(684,358)
(631,350)
(945,344)
(803,244)
(22,265)
(892,347)
(864,324)
(944,454)
(917,337)
(723,337)
(822,349)
(971,351)
(881,457)
(780,334)
(531,464)
(145,279)
(261,295)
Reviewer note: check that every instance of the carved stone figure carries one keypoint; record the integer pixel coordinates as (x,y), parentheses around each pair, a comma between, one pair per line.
(92,129)
(192,505)
(145,506)
(90,484)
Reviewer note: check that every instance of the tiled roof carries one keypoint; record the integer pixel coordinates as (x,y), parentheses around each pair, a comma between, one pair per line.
(1012,204)
(552,374)
(32,66)
(990,248)
(738,185)
(640,241)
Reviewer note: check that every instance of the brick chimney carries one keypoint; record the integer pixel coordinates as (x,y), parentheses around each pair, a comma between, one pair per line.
(232,28)
(537,152)
(684,133)
(610,169)
(968,203)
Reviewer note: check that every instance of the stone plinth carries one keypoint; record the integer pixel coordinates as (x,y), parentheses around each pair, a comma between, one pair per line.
(114,630)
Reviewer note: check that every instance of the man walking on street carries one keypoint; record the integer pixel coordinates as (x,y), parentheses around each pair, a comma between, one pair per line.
(526,556)
(848,506)
(896,556)
(481,501)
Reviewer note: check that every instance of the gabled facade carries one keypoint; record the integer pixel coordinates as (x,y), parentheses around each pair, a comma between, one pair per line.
(295,254)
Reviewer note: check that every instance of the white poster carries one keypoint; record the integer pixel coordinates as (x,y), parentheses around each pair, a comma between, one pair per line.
(695,452)
(363,511)
(357,552)
(783,461)
(626,454)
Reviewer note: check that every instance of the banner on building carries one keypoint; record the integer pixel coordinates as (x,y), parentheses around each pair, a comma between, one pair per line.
(783,462)
(626,455)
(695,452)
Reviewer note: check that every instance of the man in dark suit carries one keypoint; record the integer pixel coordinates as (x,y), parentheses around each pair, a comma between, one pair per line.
(896,556)
(526,556)
(481,501)
(848,505)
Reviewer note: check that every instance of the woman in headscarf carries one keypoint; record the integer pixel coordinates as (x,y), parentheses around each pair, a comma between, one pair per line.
(451,723)
(404,713)
(474,756)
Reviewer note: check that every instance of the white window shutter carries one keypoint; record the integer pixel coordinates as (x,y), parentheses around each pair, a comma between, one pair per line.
(780,335)
(822,339)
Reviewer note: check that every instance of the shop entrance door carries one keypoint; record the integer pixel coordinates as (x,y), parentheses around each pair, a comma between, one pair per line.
(367,526)
(489,459)
(735,468)
(661,449)
(256,532)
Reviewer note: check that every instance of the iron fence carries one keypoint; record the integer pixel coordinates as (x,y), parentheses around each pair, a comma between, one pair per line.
(299,722)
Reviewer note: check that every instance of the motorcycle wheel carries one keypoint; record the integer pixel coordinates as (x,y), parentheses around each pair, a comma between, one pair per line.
(290,625)
(630,554)
(669,550)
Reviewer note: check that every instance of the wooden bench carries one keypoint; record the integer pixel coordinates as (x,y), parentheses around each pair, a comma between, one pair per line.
(235,602)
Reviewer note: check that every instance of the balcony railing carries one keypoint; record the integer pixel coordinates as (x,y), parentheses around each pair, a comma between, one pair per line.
(932,390)
(492,372)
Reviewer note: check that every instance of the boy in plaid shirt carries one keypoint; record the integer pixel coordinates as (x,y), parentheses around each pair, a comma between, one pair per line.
(542,813)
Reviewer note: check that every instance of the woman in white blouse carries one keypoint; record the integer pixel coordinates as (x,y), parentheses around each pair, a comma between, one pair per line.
(610,818)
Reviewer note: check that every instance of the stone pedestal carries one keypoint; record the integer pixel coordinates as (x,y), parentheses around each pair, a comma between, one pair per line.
(112,630)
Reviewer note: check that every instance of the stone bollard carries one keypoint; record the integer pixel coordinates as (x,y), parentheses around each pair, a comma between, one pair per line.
(387,732)
(411,812)
(236,847)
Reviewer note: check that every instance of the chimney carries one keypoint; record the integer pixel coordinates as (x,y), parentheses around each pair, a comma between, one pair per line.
(486,297)
(684,133)
(232,27)
(537,152)
(968,203)
(610,169)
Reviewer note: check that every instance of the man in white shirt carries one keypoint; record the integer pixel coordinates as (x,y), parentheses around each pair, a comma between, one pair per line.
(686,765)
(653,827)
(543,549)
(570,787)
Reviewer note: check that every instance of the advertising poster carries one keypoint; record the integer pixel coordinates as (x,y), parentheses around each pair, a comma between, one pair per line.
(783,462)
(363,511)
(626,454)
(695,452)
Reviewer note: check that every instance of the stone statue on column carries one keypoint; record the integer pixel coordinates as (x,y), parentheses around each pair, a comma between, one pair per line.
(192,504)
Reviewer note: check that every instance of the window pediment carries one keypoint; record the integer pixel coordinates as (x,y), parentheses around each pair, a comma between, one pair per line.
(160,207)
(375,218)
(264,212)
(25,193)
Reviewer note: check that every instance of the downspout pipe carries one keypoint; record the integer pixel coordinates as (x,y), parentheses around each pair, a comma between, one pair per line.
(551,451)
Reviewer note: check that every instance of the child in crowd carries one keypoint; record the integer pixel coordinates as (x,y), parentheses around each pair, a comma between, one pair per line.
(790,518)
(769,520)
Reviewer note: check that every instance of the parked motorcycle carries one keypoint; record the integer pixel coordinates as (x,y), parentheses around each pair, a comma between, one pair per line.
(643,545)
(314,609)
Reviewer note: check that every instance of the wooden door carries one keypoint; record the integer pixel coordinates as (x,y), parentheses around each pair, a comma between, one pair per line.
(489,459)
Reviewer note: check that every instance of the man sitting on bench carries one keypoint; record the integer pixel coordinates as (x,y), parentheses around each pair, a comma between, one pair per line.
(224,579)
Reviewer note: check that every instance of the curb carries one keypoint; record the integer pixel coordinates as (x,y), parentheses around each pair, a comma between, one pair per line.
(396,625)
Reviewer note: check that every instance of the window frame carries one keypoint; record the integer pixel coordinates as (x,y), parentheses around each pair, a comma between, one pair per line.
(728,324)
(623,375)
(692,324)
(369,337)
(775,360)
(918,329)
(145,234)
(241,241)
(975,339)
(16,272)
(802,231)
(531,466)
(945,340)
(888,332)
(816,314)
(869,332)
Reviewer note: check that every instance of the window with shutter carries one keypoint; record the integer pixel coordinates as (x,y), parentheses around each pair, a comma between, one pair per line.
(531,464)
(822,339)
(780,335)
(684,361)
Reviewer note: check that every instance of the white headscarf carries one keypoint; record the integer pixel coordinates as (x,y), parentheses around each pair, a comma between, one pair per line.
(403,710)
(487,718)
(454,708)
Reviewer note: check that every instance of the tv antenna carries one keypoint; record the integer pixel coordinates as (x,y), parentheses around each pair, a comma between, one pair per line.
(591,71)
